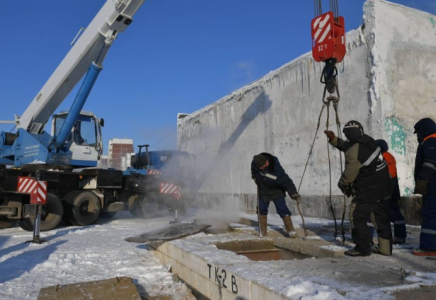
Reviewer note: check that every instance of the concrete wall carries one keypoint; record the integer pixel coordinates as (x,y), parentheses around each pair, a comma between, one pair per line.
(403,77)
(387,82)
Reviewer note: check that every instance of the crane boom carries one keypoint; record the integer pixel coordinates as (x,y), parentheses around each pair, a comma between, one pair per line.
(115,16)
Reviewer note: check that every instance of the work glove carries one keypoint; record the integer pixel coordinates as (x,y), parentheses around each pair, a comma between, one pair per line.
(296,197)
(330,134)
(346,189)
(348,192)
(421,187)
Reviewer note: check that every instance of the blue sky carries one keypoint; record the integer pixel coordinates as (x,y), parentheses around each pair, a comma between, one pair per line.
(177,56)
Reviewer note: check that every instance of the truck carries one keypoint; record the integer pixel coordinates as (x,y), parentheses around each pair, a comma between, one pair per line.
(62,164)
(167,169)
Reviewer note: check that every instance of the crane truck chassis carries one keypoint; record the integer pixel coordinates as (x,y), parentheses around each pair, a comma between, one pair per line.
(77,197)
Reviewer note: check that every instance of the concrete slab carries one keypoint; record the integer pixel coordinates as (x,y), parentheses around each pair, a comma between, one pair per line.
(170,232)
(316,248)
(229,275)
(114,288)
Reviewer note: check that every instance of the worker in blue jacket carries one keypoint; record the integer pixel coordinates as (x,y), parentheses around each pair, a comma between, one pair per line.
(272,183)
(425,183)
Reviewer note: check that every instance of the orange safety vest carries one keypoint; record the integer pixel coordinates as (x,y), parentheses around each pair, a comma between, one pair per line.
(392,164)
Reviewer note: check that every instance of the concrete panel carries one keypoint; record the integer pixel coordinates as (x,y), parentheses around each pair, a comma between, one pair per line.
(114,288)
(230,276)
(259,292)
(201,284)
(404,72)
(387,82)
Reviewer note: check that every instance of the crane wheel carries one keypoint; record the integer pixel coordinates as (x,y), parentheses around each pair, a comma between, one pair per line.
(144,207)
(136,211)
(83,208)
(149,207)
(26,224)
(6,223)
(50,218)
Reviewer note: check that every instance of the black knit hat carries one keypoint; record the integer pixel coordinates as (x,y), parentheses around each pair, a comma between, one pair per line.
(353,131)
(259,160)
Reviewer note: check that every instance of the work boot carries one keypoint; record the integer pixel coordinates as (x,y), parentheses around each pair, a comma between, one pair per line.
(375,249)
(385,246)
(399,241)
(289,227)
(262,225)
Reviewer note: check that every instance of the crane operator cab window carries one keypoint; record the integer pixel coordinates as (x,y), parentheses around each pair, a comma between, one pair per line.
(83,132)
(77,136)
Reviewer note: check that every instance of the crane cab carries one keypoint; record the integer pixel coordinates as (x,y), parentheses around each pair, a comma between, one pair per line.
(85,139)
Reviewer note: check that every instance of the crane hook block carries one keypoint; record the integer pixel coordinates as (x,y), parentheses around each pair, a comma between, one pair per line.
(328,37)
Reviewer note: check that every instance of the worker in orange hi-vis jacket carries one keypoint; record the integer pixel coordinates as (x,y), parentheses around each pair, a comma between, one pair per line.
(394,212)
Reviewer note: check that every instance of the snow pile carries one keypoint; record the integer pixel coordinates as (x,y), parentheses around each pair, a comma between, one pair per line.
(300,289)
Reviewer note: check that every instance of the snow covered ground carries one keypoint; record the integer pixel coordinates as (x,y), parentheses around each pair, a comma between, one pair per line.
(80,254)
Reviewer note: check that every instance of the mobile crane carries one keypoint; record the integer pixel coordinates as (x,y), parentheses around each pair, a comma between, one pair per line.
(77,196)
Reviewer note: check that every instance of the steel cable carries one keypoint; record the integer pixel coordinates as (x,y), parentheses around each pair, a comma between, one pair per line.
(326,103)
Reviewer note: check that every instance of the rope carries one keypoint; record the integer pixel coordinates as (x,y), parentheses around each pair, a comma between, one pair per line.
(326,103)
(335,101)
(167,135)
(305,167)
(344,201)
(329,199)
(258,210)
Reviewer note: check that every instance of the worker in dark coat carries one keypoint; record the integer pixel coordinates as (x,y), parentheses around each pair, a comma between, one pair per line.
(366,179)
(395,214)
(272,183)
(425,183)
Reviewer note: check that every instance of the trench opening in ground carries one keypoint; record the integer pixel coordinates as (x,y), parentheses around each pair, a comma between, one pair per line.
(260,250)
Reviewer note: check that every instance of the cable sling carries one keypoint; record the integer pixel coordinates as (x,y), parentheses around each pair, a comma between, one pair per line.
(326,104)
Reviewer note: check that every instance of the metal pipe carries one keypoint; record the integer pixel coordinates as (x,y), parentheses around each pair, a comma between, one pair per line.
(79,102)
